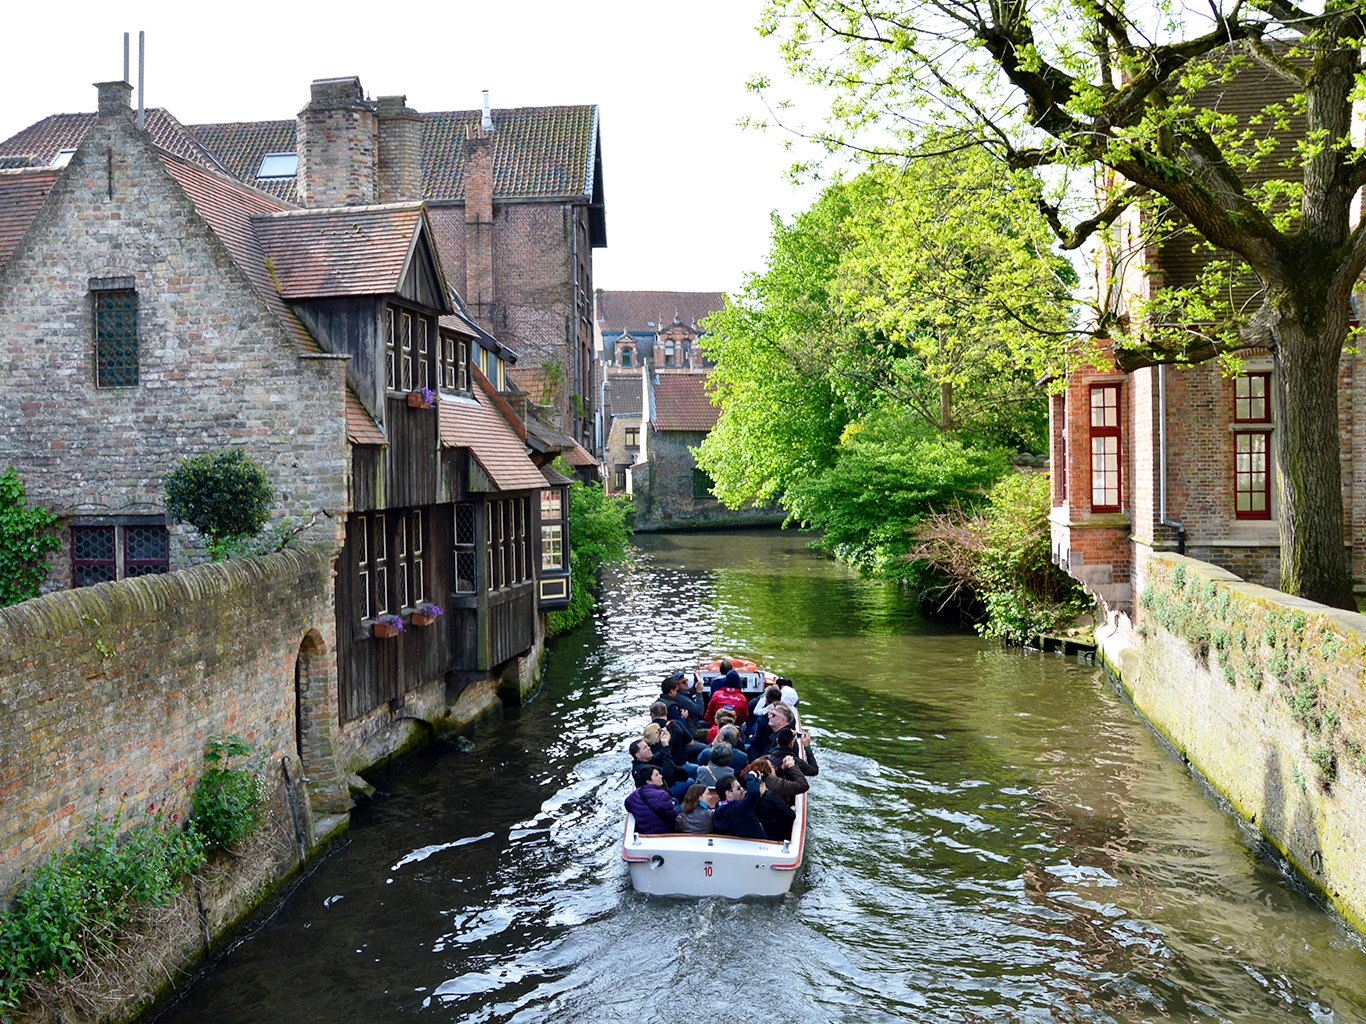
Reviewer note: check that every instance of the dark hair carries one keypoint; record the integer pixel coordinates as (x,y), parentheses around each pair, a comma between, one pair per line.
(785,736)
(725,665)
(761,766)
(636,745)
(670,684)
(658,709)
(644,772)
(772,695)
(726,784)
(693,797)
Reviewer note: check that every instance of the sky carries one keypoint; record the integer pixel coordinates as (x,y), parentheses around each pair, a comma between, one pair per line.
(689,194)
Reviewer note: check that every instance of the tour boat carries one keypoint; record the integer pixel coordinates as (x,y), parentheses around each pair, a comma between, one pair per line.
(679,864)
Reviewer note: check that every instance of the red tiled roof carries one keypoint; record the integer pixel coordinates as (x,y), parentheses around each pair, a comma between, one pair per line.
(490,439)
(354,250)
(22,194)
(534,381)
(578,455)
(241,145)
(682,403)
(654,311)
(53,134)
(229,206)
(360,425)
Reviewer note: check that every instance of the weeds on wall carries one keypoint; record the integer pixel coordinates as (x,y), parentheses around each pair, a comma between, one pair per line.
(1283,654)
(82,900)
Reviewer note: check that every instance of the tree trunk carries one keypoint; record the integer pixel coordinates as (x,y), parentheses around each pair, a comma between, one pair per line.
(946,407)
(1314,558)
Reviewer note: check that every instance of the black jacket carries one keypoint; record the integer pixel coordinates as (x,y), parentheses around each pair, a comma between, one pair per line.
(775,817)
(737,817)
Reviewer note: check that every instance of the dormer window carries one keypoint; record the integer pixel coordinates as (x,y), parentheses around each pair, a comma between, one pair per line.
(63,157)
(278,167)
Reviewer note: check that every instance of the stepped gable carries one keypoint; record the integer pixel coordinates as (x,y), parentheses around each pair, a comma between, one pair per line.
(347,250)
(681,401)
(481,428)
(655,311)
(22,194)
(241,145)
(51,135)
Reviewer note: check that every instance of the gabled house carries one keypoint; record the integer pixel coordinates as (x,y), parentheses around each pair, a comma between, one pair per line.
(154,307)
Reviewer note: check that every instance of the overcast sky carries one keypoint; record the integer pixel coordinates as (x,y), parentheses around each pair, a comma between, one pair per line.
(688,193)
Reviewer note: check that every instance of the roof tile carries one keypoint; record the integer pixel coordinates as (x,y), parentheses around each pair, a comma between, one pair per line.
(51,135)
(682,402)
(354,250)
(360,425)
(22,194)
(654,311)
(490,439)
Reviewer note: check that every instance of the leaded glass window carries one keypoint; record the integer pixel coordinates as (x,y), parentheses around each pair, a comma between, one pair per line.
(146,550)
(116,338)
(92,555)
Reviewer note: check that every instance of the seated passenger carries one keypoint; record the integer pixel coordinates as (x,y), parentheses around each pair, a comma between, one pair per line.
(644,752)
(785,746)
(728,679)
(734,815)
(771,695)
(775,716)
(652,806)
(697,807)
(727,697)
(723,755)
(724,716)
(714,778)
(786,780)
(774,812)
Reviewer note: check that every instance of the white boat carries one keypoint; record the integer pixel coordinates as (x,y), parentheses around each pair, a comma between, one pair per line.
(682,864)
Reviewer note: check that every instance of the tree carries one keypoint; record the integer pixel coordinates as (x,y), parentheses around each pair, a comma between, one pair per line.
(1057,86)
(598,534)
(26,539)
(226,496)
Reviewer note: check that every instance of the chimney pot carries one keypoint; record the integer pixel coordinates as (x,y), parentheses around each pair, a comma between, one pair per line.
(114,97)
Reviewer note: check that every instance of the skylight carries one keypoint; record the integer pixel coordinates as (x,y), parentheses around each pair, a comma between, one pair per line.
(63,157)
(278,167)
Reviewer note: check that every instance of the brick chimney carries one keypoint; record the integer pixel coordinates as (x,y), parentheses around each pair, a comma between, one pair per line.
(478,181)
(114,97)
(338,146)
(400,149)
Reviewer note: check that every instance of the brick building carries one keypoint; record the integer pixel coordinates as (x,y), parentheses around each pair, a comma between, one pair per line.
(514,199)
(153,307)
(1181,458)
(633,328)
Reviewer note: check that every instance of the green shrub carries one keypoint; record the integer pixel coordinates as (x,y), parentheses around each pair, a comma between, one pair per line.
(229,801)
(598,534)
(27,537)
(1323,761)
(225,496)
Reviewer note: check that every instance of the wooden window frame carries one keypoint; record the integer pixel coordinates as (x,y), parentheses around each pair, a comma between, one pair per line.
(405,593)
(464,549)
(390,354)
(1245,474)
(424,330)
(552,539)
(362,536)
(1265,377)
(630,433)
(405,340)
(1105,432)
(419,575)
(380,550)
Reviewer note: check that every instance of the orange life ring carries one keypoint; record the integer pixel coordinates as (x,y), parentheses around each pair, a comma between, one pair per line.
(739,664)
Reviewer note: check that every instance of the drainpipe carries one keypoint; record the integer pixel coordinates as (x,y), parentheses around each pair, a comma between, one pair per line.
(1162,460)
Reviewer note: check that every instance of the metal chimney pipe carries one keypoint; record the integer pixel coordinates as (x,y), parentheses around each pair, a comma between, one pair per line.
(486,125)
(125,56)
(142,113)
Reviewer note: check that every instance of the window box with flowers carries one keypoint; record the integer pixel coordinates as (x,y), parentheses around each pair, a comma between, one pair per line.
(426,613)
(422,398)
(386,626)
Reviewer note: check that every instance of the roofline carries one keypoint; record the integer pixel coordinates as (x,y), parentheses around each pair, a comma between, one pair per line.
(236,182)
(579,198)
(314,211)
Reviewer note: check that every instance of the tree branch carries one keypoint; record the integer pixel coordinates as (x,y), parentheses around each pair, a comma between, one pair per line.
(1074,238)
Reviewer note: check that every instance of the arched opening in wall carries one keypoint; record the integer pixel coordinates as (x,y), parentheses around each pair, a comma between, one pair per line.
(310,704)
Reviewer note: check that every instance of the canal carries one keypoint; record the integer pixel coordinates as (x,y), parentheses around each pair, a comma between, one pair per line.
(996,837)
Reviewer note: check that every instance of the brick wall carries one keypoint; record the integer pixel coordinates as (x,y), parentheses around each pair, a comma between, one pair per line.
(215,368)
(119,686)
(664,497)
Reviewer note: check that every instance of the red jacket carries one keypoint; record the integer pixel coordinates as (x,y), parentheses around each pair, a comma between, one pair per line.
(728,698)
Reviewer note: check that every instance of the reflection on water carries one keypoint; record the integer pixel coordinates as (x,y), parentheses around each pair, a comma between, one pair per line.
(996,838)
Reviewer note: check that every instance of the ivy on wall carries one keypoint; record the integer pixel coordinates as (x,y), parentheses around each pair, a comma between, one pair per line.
(1282,653)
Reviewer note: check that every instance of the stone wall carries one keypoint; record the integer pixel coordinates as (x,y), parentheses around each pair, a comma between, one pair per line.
(664,498)
(114,689)
(1263,694)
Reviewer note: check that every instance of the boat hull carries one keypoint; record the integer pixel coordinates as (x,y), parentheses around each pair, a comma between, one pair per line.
(676,864)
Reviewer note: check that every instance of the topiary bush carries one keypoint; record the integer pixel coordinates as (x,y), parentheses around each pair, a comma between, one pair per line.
(226,496)
(26,539)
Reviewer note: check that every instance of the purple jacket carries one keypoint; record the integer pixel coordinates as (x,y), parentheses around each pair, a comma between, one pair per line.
(654,810)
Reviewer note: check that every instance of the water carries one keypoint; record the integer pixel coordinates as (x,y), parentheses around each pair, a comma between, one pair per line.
(996,837)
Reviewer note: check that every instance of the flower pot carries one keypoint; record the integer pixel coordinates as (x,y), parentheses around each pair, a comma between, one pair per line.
(416,401)
(422,619)
(382,630)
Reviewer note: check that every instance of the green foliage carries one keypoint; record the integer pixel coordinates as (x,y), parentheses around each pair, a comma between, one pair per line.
(80,900)
(27,537)
(598,534)
(888,472)
(226,496)
(1321,756)
(229,801)
(998,551)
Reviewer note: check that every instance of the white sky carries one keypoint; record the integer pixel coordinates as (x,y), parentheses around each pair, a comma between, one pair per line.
(688,192)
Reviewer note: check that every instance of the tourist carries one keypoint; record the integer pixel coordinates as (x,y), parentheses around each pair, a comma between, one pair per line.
(723,755)
(729,679)
(724,716)
(775,717)
(697,809)
(734,815)
(785,745)
(652,806)
(644,752)
(727,697)
(775,812)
